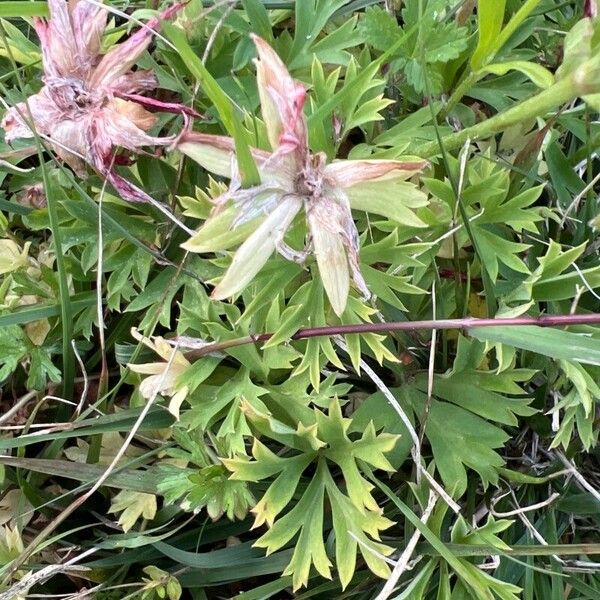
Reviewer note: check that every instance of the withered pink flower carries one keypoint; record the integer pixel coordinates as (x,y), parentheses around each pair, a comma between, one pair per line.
(90,103)
(293,179)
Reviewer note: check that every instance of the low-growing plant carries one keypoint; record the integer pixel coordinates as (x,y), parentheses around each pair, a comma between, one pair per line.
(299,299)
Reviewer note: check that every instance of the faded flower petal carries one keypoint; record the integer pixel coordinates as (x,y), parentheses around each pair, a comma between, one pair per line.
(176,401)
(590,8)
(44,112)
(378,186)
(256,250)
(12,257)
(282,101)
(89,23)
(71,144)
(331,257)
(390,199)
(164,376)
(153,104)
(60,49)
(216,153)
(119,59)
(217,233)
(147,368)
(134,83)
(347,173)
(134,113)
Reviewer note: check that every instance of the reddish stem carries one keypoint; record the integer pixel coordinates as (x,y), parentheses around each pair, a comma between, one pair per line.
(466,323)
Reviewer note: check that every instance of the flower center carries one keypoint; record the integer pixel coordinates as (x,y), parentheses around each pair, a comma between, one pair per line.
(70,94)
(310,180)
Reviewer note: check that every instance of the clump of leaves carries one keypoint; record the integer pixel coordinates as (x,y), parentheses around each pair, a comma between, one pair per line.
(357,518)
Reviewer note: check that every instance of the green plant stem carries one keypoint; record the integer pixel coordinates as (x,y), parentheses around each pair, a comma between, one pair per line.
(538,105)
(463,87)
(66,311)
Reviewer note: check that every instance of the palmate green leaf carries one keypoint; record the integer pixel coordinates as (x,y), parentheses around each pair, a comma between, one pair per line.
(306,517)
(293,400)
(133,505)
(358,312)
(516,212)
(307,308)
(209,487)
(580,394)
(311,16)
(447,43)
(379,28)
(264,299)
(384,286)
(485,535)
(41,369)
(461,425)
(549,280)
(371,448)
(15,348)
(393,251)
(334,48)
(326,442)
(259,18)
(421,59)
(482,585)
(481,393)
(350,524)
(472,582)
(361,102)
(470,442)
(208,402)
(494,248)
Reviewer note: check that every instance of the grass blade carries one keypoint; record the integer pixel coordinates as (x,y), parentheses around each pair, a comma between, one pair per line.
(22,8)
(555,343)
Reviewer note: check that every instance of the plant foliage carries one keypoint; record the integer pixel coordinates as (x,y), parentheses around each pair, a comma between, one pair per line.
(196,199)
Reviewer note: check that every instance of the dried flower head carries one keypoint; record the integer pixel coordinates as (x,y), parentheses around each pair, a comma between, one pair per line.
(293,179)
(91,103)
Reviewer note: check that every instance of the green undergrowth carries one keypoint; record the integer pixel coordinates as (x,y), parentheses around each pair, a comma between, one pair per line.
(136,462)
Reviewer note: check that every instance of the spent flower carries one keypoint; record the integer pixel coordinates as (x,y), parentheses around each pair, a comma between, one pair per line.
(293,179)
(91,104)
(164,375)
